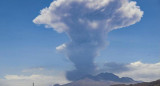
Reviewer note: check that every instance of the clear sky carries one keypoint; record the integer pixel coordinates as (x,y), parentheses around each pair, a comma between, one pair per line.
(25,45)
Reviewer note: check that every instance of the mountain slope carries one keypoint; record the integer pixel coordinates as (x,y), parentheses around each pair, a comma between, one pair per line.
(90,82)
(109,77)
(154,83)
(102,79)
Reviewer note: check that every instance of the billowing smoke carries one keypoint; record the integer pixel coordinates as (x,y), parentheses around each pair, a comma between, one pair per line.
(87,22)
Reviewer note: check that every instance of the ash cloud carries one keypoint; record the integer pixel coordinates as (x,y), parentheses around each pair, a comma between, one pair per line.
(113,67)
(86,23)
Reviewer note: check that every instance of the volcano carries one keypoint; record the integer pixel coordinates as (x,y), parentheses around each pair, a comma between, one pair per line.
(102,79)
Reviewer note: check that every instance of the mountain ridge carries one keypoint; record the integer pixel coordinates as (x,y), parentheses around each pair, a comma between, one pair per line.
(109,77)
(102,79)
(153,83)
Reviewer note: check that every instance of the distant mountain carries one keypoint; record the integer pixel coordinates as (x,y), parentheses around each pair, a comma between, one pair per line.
(90,82)
(154,83)
(109,77)
(102,79)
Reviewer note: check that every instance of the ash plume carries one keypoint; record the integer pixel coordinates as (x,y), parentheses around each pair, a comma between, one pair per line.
(86,23)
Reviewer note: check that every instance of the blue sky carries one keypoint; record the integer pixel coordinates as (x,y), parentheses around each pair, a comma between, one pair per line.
(137,42)
(26,45)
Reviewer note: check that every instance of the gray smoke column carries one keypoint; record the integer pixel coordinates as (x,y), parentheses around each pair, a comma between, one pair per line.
(86,23)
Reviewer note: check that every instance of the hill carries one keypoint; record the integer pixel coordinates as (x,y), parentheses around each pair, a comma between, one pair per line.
(154,83)
(102,79)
